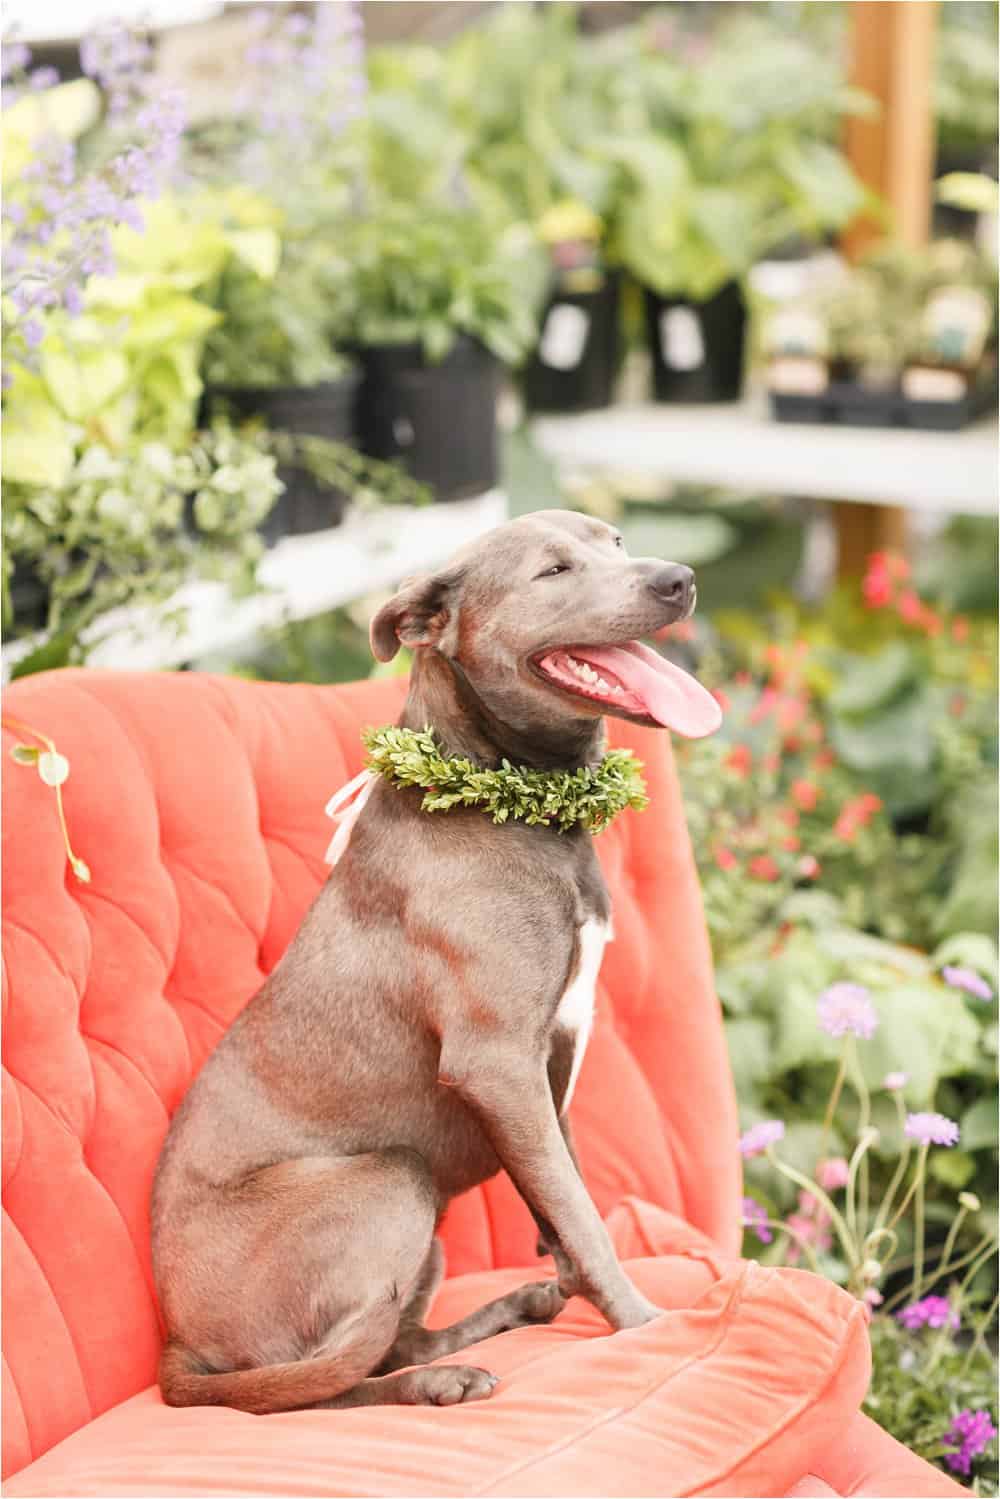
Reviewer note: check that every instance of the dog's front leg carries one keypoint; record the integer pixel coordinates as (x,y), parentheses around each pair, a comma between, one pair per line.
(509,1093)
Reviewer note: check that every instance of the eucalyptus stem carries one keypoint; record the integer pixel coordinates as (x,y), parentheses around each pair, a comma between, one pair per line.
(864,1123)
(900,1171)
(917,1178)
(918,1223)
(949,1242)
(979,1338)
(838,1087)
(802,1242)
(988,1243)
(864,1144)
(816,1191)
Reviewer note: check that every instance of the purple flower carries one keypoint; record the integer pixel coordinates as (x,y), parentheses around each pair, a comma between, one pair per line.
(754,1216)
(969,1434)
(761,1137)
(43,78)
(931,1129)
(846,1009)
(33,332)
(14,58)
(932,1311)
(967,979)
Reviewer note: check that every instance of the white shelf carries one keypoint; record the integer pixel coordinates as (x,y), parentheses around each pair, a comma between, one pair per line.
(738,446)
(302,576)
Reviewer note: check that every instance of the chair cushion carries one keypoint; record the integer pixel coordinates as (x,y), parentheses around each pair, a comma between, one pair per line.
(198,804)
(742,1386)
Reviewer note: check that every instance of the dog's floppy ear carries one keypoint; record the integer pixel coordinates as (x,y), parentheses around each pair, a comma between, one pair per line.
(417,615)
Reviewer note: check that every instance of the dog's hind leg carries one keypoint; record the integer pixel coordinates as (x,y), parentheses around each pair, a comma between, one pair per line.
(539,1301)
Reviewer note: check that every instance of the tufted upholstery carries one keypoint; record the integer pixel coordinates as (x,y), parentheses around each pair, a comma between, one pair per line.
(197,802)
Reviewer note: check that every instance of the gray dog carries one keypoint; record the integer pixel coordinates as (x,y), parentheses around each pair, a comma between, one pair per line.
(426,1026)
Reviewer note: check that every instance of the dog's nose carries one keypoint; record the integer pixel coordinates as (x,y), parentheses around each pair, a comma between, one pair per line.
(674,584)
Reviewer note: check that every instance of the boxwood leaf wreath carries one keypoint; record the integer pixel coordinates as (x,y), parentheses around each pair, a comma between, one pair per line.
(588,796)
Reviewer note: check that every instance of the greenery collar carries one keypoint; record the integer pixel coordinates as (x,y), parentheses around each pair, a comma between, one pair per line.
(560,798)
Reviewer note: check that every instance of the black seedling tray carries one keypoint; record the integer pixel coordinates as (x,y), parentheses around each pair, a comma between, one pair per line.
(847,404)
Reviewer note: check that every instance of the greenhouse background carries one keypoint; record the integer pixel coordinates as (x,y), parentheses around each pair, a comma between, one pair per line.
(299,298)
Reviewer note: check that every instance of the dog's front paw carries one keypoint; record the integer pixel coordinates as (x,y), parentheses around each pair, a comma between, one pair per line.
(539,1301)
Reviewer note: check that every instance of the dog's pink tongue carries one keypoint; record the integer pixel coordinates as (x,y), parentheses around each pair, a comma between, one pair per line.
(672,696)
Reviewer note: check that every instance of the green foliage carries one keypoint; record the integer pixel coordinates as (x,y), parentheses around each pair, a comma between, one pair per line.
(130,527)
(965,83)
(425,273)
(920,1381)
(587,797)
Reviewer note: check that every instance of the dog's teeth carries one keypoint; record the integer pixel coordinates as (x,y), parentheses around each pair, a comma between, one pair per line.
(617,687)
(602,684)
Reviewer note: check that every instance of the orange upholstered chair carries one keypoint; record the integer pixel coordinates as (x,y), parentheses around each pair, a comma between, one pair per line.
(198,805)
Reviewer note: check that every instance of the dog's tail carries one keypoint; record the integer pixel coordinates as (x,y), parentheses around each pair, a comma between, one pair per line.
(281,1387)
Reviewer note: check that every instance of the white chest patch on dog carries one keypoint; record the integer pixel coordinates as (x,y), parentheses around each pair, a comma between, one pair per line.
(575,1014)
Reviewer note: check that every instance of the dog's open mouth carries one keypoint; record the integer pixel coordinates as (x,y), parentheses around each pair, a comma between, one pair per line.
(634,680)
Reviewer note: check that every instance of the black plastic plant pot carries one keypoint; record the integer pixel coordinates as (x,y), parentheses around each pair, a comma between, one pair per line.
(698,348)
(438,420)
(29,597)
(327,410)
(579,350)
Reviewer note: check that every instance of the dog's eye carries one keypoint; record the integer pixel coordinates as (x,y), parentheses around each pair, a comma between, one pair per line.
(554,570)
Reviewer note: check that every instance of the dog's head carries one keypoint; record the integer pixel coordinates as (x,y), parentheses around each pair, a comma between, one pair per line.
(542,617)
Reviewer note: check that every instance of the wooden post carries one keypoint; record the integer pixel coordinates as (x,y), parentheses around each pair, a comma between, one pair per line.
(893,153)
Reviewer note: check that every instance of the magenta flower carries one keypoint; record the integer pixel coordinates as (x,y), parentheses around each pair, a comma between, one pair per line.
(932,1311)
(754,1216)
(969,1434)
(967,979)
(931,1129)
(832,1174)
(761,1137)
(846,1009)
(894,1082)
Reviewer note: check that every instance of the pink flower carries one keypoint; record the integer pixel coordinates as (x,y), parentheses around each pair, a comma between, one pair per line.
(832,1174)
(763,867)
(969,1434)
(805,794)
(967,979)
(846,1009)
(739,760)
(754,1217)
(808,867)
(761,1137)
(811,1225)
(894,1082)
(725,858)
(932,1311)
(873,1298)
(931,1129)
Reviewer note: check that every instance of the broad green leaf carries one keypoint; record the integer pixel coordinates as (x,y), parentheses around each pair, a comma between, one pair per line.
(749,1043)
(38,443)
(83,381)
(953,1167)
(168,321)
(923,1031)
(260,249)
(871,682)
(979,1124)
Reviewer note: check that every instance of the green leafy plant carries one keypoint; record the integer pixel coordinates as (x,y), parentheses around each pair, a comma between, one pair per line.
(128,527)
(722,160)
(426,273)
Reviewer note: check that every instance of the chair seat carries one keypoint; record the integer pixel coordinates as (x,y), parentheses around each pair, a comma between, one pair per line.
(743,1386)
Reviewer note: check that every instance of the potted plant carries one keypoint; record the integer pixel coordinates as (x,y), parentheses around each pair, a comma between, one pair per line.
(441,301)
(533,101)
(733,161)
(273,356)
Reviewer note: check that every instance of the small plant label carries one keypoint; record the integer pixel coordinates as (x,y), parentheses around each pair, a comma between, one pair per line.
(681,343)
(564,336)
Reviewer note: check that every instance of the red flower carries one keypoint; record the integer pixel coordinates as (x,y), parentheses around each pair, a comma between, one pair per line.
(791,843)
(960,629)
(739,760)
(770,763)
(721,699)
(808,867)
(763,867)
(824,760)
(846,827)
(789,816)
(806,794)
(876,589)
(725,858)
(764,704)
(742,679)
(956,704)
(910,607)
